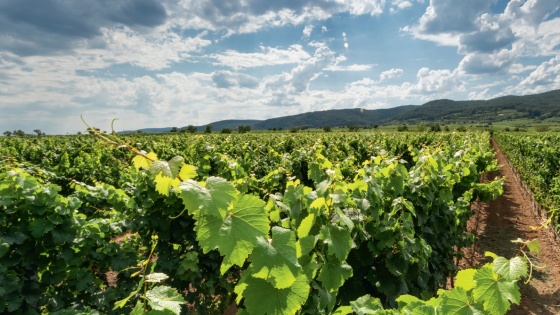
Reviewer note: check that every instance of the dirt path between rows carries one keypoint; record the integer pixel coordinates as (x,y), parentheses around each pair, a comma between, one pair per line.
(508,218)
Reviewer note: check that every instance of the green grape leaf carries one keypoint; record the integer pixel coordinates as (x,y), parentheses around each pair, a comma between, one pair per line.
(138,309)
(275,261)
(513,269)
(175,165)
(162,167)
(188,172)
(164,184)
(465,279)
(343,310)
(236,235)
(213,199)
(317,205)
(419,309)
(165,298)
(261,297)
(306,225)
(156,277)
(495,291)
(366,305)
(4,248)
(457,301)
(197,198)
(534,246)
(38,227)
(222,192)
(338,240)
(406,299)
(140,161)
(333,274)
(305,245)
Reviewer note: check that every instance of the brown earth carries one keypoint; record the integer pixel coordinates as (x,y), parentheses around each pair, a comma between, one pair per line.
(508,218)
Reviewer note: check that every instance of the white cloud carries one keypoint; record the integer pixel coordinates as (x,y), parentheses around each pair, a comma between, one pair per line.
(307,31)
(153,52)
(487,63)
(398,5)
(390,74)
(351,68)
(480,95)
(239,16)
(436,82)
(544,77)
(268,57)
(360,7)
(282,88)
(449,16)
(227,79)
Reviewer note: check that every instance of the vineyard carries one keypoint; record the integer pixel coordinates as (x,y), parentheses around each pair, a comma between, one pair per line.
(330,223)
(536,157)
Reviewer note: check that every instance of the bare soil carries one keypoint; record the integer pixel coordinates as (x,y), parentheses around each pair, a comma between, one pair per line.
(508,218)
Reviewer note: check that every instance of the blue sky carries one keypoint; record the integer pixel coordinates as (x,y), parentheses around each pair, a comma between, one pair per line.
(164,63)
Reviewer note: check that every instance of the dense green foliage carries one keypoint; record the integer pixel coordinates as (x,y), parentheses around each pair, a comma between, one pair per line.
(536,156)
(281,223)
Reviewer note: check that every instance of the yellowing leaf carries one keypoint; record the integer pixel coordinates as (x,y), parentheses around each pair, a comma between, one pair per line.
(140,161)
(465,279)
(164,184)
(306,225)
(188,172)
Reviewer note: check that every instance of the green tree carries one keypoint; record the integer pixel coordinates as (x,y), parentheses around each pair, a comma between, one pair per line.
(191,129)
(226,130)
(244,128)
(7,133)
(327,129)
(174,129)
(353,128)
(18,132)
(38,132)
(208,129)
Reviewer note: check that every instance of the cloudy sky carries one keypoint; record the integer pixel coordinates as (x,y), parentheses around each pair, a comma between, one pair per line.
(164,63)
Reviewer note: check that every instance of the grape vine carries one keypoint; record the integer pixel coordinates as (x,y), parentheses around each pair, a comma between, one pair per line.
(354,225)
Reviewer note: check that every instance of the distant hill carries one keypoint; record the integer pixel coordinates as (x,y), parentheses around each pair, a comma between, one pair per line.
(334,118)
(230,123)
(537,106)
(216,126)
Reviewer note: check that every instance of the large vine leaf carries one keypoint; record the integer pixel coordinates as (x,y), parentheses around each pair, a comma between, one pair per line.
(338,240)
(306,225)
(366,305)
(495,291)
(164,184)
(144,162)
(456,301)
(334,273)
(213,199)
(275,261)
(465,279)
(513,269)
(188,172)
(165,298)
(236,235)
(261,297)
